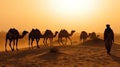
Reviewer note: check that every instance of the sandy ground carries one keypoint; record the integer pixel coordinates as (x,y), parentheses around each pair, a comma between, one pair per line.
(85,55)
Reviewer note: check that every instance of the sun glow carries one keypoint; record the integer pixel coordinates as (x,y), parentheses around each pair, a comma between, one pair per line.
(73,7)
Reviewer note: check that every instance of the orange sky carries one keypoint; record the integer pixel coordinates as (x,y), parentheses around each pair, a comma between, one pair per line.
(89,15)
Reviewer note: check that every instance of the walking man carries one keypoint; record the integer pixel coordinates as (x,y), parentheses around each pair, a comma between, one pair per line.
(108,38)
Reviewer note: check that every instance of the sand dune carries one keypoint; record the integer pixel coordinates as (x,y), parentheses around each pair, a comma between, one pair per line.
(86,55)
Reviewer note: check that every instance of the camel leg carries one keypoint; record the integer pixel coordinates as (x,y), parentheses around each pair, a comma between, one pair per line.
(62,42)
(37,40)
(32,43)
(66,41)
(84,40)
(17,44)
(29,42)
(59,41)
(10,45)
(6,45)
(46,41)
(51,41)
(13,44)
(70,40)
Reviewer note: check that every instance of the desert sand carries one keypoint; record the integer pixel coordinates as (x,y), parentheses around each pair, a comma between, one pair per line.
(89,54)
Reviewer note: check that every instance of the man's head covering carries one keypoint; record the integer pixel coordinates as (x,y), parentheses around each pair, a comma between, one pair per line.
(107,25)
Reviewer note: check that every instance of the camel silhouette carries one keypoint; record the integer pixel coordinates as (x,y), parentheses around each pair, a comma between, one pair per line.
(66,35)
(83,36)
(93,36)
(34,34)
(13,35)
(49,35)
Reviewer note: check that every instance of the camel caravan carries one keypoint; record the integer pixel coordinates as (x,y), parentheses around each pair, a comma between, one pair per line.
(36,34)
(13,35)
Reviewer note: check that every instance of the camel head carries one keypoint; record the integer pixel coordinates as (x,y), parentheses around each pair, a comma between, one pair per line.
(56,33)
(23,34)
(72,32)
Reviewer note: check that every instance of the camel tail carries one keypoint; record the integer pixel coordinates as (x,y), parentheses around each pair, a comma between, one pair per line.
(6,43)
(29,42)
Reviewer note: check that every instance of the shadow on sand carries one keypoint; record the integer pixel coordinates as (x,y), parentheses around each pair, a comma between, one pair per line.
(115,58)
(52,55)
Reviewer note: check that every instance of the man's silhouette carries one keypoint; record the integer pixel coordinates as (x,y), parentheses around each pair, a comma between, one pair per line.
(108,38)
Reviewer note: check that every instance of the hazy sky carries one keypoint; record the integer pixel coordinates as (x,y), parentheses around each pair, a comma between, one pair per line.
(89,15)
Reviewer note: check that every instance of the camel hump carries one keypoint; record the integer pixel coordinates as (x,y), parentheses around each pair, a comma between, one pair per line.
(13,31)
(84,32)
(48,31)
(37,31)
(63,31)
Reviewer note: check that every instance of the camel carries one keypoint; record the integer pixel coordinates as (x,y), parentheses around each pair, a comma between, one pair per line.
(13,35)
(34,34)
(66,35)
(93,35)
(83,36)
(49,35)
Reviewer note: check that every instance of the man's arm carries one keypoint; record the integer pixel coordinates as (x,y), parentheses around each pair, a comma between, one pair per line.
(104,35)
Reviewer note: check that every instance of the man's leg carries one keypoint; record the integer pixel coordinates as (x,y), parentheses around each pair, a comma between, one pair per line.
(107,47)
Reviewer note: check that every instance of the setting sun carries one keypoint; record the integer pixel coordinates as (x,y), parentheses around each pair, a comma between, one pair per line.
(73,7)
